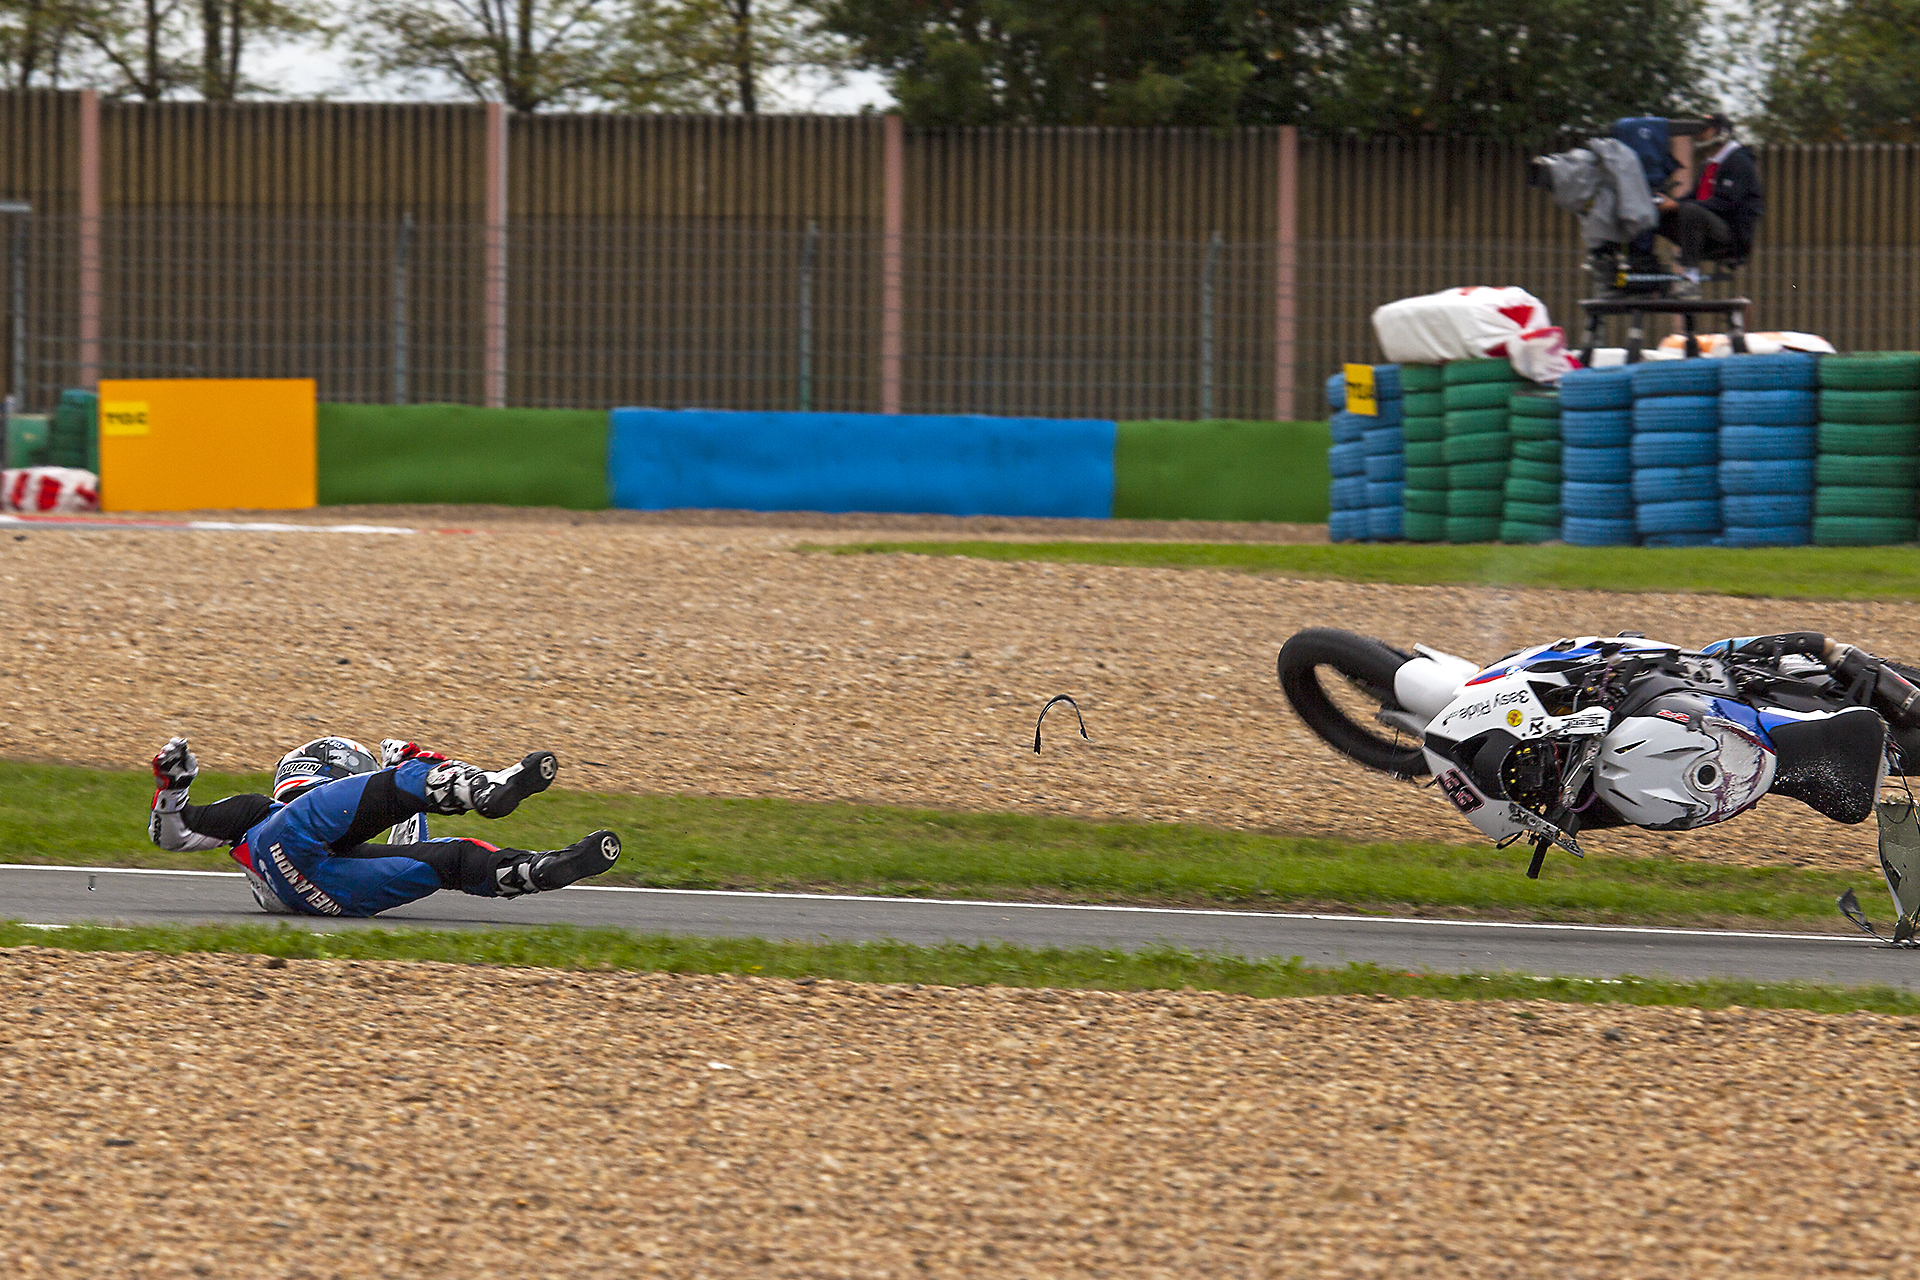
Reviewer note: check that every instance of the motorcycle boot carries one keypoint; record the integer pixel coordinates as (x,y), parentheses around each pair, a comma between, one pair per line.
(455,786)
(556,869)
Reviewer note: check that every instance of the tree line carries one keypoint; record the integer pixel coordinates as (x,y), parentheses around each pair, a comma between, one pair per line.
(1517,70)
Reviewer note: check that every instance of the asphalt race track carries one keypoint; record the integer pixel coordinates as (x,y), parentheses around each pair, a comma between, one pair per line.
(65,895)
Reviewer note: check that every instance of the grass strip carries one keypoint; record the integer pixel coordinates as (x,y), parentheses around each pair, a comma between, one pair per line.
(953,964)
(62,814)
(1792,573)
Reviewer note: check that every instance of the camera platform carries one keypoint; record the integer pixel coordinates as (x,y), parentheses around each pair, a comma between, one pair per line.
(1636,308)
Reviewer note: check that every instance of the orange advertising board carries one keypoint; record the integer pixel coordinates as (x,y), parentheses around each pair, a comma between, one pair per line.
(206,444)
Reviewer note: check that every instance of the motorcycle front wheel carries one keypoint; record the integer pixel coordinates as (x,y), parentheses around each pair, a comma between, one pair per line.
(1366,668)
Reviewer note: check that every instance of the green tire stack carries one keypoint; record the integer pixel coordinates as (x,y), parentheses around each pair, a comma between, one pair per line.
(1532,513)
(1865,476)
(73,438)
(1425,494)
(1476,446)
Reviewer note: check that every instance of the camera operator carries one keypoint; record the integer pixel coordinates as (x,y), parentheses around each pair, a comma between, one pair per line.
(1717,221)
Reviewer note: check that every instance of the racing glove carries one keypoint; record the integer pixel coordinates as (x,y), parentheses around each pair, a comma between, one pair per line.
(393,751)
(174,769)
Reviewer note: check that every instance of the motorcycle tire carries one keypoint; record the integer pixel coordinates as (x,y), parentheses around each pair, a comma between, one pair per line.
(1386,466)
(1492,446)
(1665,378)
(1534,404)
(1347,526)
(1794,475)
(1427,430)
(1476,395)
(1520,489)
(1420,379)
(1676,413)
(1767,510)
(1517,532)
(1369,666)
(1675,449)
(1474,422)
(1425,453)
(1871,371)
(1337,390)
(1780,371)
(1596,466)
(1477,475)
(1870,407)
(1652,518)
(1431,502)
(1456,373)
(1475,502)
(1423,526)
(1537,450)
(1545,472)
(1768,408)
(1543,513)
(1838,500)
(1893,473)
(1578,532)
(1766,444)
(1859,438)
(1596,428)
(1384,440)
(1383,523)
(1469,529)
(1597,501)
(1596,389)
(1862,531)
(1676,484)
(1534,430)
(1784,535)
(1423,404)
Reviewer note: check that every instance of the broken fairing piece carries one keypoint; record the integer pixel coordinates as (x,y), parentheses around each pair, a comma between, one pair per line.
(1899,821)
(1058,697)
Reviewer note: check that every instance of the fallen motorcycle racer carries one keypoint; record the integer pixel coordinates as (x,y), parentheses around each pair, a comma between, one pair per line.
(312,855)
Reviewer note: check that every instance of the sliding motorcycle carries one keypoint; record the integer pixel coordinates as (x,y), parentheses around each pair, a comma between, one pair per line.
(1592,732)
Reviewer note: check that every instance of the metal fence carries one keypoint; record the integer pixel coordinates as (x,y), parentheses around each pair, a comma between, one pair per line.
(825,263)
(669,313)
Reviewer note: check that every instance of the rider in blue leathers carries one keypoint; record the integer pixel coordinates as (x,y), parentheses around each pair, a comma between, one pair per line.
(310,854)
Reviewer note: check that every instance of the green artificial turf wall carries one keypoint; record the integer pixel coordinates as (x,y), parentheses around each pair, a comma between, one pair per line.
(450,453)
(1221,469)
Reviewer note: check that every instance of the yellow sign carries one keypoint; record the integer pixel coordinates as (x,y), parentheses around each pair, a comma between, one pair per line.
(124,418)
(1360,390)
(205,444)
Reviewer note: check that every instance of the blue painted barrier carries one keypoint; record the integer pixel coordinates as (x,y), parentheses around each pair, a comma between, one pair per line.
(661,459)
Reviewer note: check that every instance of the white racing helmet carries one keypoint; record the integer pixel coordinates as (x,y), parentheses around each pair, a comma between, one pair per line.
(322,760)
(1677,763)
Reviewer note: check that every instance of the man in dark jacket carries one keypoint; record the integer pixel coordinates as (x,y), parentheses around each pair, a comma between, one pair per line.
(1718,219)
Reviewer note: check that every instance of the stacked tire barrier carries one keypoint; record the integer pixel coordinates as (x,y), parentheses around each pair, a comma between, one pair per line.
(1767,414)
(1476,446)
(1423,428)
(1868,436)
(1347,465)
(1676,452)
(1532,512)
(1596,434)
(1385,457)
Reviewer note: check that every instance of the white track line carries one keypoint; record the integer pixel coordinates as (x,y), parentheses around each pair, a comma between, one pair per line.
(1072,906)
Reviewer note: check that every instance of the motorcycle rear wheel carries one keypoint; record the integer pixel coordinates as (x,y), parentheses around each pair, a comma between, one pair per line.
(1368,666)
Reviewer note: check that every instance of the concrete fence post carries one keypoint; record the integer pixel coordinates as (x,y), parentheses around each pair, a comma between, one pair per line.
(892,263)
(89,353)
(495,318)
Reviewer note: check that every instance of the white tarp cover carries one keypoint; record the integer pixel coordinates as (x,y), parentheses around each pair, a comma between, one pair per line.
(1475,322)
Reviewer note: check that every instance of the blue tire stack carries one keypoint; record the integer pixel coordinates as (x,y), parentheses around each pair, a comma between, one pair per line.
(1384,459)
(1596,433)
(1676,452)
(1347,464)
(1768,409)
